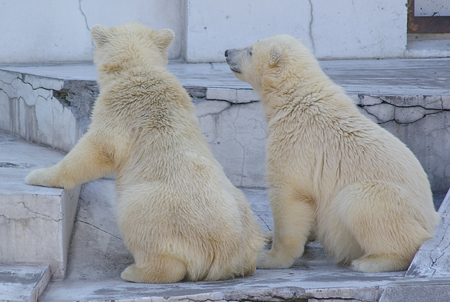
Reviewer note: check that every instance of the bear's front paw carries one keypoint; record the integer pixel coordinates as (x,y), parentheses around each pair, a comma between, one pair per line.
(269,259)
(129,275)
(40,177)
(380,263)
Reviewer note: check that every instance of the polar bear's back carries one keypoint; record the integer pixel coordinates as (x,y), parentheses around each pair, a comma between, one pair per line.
(173,197)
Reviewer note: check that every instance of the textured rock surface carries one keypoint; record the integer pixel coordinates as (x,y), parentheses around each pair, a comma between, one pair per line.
(433,258)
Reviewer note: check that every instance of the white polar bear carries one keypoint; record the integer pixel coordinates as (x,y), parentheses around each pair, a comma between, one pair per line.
(178,213)
(330,168)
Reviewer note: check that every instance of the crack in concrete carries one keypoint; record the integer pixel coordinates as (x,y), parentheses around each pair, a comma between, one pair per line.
(215,113)
(22,79)
(27,218)
(380,122)
(96,227)
(9,84)
(268,227)
(442,253)
(385,101)
(242,146)
(311,20)
(231,104)
(6,217)
(37,213)
(36,88)
(5,93)
(84,15)
(198,300)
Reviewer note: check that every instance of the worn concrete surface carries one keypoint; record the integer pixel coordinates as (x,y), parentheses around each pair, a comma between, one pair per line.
(372,77)
(29,109)
(433,258)
(23,283)
(35,222)
(316,280)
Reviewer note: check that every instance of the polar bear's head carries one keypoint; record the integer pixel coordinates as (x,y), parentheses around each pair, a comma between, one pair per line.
(266,63)
(129,45)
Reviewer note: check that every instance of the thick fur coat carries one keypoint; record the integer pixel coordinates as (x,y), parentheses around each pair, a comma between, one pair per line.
(330,169)
(178,213)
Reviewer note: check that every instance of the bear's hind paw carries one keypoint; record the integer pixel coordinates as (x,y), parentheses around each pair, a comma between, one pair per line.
(379,263)
(270,260)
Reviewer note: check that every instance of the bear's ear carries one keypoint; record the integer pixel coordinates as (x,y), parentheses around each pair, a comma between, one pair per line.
(163,38)
(99,34)
(275,55)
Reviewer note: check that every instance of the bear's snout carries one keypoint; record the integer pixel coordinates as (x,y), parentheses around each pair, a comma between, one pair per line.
(232,61)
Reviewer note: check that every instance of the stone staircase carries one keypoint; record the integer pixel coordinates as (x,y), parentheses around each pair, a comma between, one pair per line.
(68,243)
(35,222)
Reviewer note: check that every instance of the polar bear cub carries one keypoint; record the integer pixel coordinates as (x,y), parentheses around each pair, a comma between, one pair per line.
(330,168)
(178,213)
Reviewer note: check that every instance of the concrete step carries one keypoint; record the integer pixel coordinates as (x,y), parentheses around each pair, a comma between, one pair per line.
(313,283)
(23,283)
(35,222)
(433,258)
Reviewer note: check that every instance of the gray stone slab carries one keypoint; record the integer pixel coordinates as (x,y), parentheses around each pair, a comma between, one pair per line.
(379,77)
(23,283)
(17,158)
(433,258)
(81,71)
(406,77)
(417,291)
(318,279)
(29,108)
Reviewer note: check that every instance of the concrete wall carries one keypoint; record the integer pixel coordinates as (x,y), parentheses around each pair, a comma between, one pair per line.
(59,31)
(332,29)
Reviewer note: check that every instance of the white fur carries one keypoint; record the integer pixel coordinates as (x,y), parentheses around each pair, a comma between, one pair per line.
(332,169)
(178,213)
